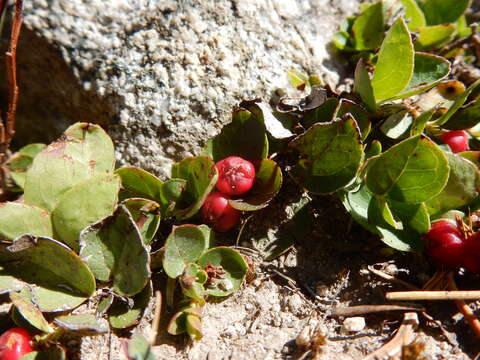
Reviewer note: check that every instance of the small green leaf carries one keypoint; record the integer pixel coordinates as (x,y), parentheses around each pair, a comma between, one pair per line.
(82,323)
(324,113)
(170,194)
(359,114)
(140,183)
(268,181)
(397,126)
(32,150)
(29,312)
(428,71)
(465,117)
(184,245)
(139,349)
(434,37)
(411,171)
(368,28)
(191,283)
(193,323)
(146,214)
(330,155)
(232,263)
(413,14)
(84,204)
(394,68)
(17,219)
(363,86)
(297,79)
(121,316)
(58,278)
(245,136)
(113,249)
(420,122)
(463,186)
(85,150)
(201,176)
(444,11)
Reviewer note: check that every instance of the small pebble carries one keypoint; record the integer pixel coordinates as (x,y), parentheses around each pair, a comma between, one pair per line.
(353,324)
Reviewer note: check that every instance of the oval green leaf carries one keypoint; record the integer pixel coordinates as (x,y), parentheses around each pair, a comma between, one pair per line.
(368,28)
(121,316)
(434,37)
(465,117)
(394,68)
(412,171)
(139,183)
(146,214)
(29,312)
(413,14)
(17,219)
(444,11)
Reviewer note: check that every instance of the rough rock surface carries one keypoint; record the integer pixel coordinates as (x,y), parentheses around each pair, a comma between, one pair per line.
(164,75)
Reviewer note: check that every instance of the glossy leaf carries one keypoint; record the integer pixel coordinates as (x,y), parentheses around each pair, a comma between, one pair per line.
(413,14)
(85,150)
(359,114)
(113,249)
(432,37)
(17,219)
(29,312)
(274,125)
(139,183)
(428,71)
(184,245)
(268,181)
(324,113)
(397,126)
(58,278)
(368,28)
(297,79)
(146,214)
(201,176)
(444,11)
(139,348)
(170,194)
(394,68)
(363,86)
(330,155)
(82,323)
(462,187)
(465,117)
(420,122)
(232,263)
(245,136)
(84,204)
(411,171)
(121,316)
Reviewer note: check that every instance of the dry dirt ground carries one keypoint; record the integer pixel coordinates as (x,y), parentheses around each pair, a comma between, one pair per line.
(299,291)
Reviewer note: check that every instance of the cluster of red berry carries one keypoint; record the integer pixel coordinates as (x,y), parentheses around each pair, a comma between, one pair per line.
(448,245)
(235,177)
(14,343)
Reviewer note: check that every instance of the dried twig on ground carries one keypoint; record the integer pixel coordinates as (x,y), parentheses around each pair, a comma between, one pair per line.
(369,309)
(433,295)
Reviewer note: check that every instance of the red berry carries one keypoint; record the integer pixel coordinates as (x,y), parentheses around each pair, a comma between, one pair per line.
(235,175)
(445,244)
(456,139)
(217,211)
(14,343)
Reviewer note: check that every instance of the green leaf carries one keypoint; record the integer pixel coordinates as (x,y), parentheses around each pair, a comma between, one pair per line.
(140,183)
(170,194)
(268,181)
(434,37)
(84,204)
(473,156)
(54,352)
(113,249)
(413,14)
(324,113)
(82,323)
(459,101)
(146,215)
(397,125)
(121,316)
(201,176)
(232,263)
(330,156)
(363,86)
(184,245)
(274,125)
(420,122)
(462,187)
(17,219)
(193,324)
(394,68)
(139,348)
(412,171)
(245,136)
(465,117)
(368,28)
(192,281)
(84,151)
(358,113)
(428,71)
(444,11)
(29,312)
(32,150)
(58,278)
(297,79)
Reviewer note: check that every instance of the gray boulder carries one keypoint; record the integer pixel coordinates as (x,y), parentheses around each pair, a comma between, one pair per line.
(163,76)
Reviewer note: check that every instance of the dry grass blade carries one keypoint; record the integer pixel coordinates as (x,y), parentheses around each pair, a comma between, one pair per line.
(404,337)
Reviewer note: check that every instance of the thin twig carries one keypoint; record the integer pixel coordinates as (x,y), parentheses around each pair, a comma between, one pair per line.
(156,317)
(433,295)
(468,314)
(391,278)
(369,309)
